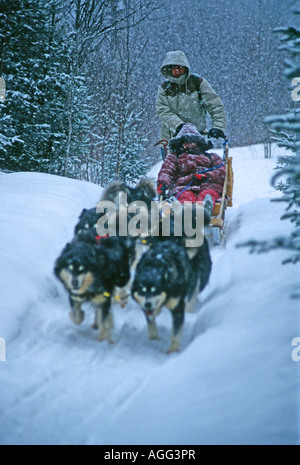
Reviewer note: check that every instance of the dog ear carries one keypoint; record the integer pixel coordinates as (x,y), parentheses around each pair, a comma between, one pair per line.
(82,213)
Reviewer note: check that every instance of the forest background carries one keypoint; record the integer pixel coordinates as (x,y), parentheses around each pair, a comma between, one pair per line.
(82,75)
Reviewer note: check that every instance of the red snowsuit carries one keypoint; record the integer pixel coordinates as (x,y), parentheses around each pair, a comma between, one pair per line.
(181,164)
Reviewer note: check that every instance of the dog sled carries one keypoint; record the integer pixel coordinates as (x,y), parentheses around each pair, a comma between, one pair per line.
(215,229)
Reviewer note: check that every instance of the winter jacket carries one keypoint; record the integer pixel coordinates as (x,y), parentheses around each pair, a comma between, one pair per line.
(179,166)
(178,101)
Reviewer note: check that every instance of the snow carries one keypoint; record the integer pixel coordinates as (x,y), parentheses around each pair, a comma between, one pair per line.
(234,382)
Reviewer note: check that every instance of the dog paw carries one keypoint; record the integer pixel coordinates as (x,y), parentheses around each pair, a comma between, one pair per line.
(77,317)
(104,339)
(152,331)
(172,349)
(104,335)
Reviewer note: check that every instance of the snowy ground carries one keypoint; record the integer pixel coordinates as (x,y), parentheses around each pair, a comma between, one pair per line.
(233,383)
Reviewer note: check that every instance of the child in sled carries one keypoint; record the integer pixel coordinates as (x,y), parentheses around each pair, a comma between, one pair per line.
(186,158)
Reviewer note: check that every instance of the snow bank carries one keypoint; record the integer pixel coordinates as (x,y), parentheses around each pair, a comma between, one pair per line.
(38,213)
(234,381)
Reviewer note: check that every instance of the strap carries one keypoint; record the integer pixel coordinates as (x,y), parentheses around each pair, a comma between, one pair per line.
(193,84)
(197,82)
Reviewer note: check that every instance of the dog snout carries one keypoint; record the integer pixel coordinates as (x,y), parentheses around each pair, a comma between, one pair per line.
(75,283)
(148,306)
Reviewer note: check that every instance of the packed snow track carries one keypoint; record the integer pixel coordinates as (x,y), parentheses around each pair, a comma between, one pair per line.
(234,382)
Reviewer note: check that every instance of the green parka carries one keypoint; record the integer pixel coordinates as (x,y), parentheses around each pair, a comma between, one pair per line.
(178,100)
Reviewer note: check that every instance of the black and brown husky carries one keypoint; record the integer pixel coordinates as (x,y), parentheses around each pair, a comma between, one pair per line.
(91,270)
(167,276)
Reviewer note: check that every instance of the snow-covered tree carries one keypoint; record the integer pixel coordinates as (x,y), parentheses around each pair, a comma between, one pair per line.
(45,117)
(106,126)
(27,137)
(286,132)
(64,60)
(118,134)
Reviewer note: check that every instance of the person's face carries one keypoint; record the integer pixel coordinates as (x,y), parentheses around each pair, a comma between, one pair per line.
(177,71)
(190,145)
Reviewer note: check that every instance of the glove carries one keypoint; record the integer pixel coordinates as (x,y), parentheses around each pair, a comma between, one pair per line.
(162,190)
(177,130)
(216,133)
(199,177)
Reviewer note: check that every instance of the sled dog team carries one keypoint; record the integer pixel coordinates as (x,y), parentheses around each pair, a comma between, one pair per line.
(155,269)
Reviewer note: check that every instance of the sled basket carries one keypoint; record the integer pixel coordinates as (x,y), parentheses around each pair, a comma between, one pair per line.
(214,231)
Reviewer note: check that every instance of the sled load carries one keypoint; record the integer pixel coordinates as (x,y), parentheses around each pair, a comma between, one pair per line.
(190,173)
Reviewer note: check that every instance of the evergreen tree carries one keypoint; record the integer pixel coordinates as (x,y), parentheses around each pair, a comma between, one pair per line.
(45,117)
(122,148)
(119,137)
(26,141)
(75,115)
(286,130)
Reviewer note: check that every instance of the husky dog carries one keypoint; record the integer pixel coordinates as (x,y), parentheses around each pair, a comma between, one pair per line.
(91,271)
(144,191)
(166,276)
(87,220)
(130,202)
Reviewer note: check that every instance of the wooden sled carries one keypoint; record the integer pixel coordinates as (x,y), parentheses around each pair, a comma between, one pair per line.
(214,231)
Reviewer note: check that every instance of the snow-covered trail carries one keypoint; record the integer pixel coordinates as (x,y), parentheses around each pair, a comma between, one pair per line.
(52,366)
(233,382)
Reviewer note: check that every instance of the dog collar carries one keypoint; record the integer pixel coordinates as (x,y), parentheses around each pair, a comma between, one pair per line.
(99,238)
(90,295)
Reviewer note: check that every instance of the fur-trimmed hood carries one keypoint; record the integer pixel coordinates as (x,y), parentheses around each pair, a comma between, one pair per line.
(189,134)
